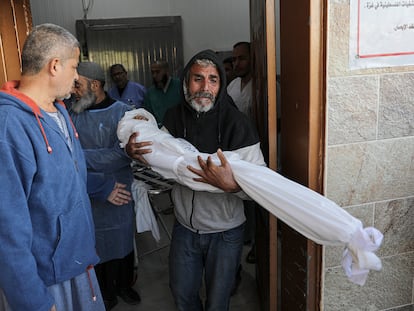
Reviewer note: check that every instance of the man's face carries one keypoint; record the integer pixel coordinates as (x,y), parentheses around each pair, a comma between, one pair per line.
(203,87)
(82,87)
(68,75)
(83,93)
(241,61)
(159,75)
(119,76)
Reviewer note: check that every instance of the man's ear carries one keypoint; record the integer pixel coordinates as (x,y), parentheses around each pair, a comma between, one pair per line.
(54,65)
(94,85)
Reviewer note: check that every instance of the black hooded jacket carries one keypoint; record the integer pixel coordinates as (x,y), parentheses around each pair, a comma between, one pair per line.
(224,126)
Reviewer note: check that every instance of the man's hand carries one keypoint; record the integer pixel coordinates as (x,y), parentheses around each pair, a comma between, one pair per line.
(119,196)
(218,176)
(135,150)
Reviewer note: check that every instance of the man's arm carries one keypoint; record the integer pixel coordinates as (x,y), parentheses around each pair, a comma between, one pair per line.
(106,160)
(19,279)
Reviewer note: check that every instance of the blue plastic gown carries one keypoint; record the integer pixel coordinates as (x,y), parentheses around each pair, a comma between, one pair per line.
(107,163)
(133,94)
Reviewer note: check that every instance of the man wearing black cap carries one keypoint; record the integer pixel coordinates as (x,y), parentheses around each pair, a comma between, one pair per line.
(96,116)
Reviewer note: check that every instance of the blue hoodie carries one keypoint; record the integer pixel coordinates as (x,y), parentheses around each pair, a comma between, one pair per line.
(46,227)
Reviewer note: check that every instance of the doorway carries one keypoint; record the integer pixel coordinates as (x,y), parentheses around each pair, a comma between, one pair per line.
(289,271)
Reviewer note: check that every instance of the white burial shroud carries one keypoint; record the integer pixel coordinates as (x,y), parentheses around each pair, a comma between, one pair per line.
(313,215)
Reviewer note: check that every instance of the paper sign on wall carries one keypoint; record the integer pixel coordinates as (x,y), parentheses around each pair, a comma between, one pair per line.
(381,33)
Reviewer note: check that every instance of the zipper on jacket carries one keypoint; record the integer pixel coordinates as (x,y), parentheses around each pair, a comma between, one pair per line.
(90,267)
(192,211)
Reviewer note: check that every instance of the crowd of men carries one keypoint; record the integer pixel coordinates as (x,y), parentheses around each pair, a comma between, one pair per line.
(67,214)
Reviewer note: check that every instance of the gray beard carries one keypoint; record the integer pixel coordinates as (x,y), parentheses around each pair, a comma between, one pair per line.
(201,108)
(206,99)
(85,102)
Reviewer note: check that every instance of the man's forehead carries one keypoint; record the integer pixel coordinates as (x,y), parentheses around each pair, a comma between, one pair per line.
(83,79)
(241,53)
(204,70)
(241,49)
(117,69)
(158,68)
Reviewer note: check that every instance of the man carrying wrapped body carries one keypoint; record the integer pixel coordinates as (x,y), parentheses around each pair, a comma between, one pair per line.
(313,215)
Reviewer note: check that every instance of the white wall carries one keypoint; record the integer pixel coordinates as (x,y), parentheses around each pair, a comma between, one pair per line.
(214,24)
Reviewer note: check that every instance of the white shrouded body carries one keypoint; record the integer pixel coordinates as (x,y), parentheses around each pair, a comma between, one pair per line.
(313,215)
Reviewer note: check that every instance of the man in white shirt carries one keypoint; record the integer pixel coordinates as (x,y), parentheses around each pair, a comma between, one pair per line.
(240,89)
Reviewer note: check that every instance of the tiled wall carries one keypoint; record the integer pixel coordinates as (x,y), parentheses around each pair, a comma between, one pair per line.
(370,170)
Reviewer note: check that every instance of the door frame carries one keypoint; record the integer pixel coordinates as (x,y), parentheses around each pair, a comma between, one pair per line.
(294,283)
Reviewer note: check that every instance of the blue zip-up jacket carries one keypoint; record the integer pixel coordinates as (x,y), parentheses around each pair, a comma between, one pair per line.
(46,227)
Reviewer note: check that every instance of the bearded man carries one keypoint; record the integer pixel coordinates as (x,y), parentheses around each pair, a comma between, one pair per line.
(207,239)
(96,116)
